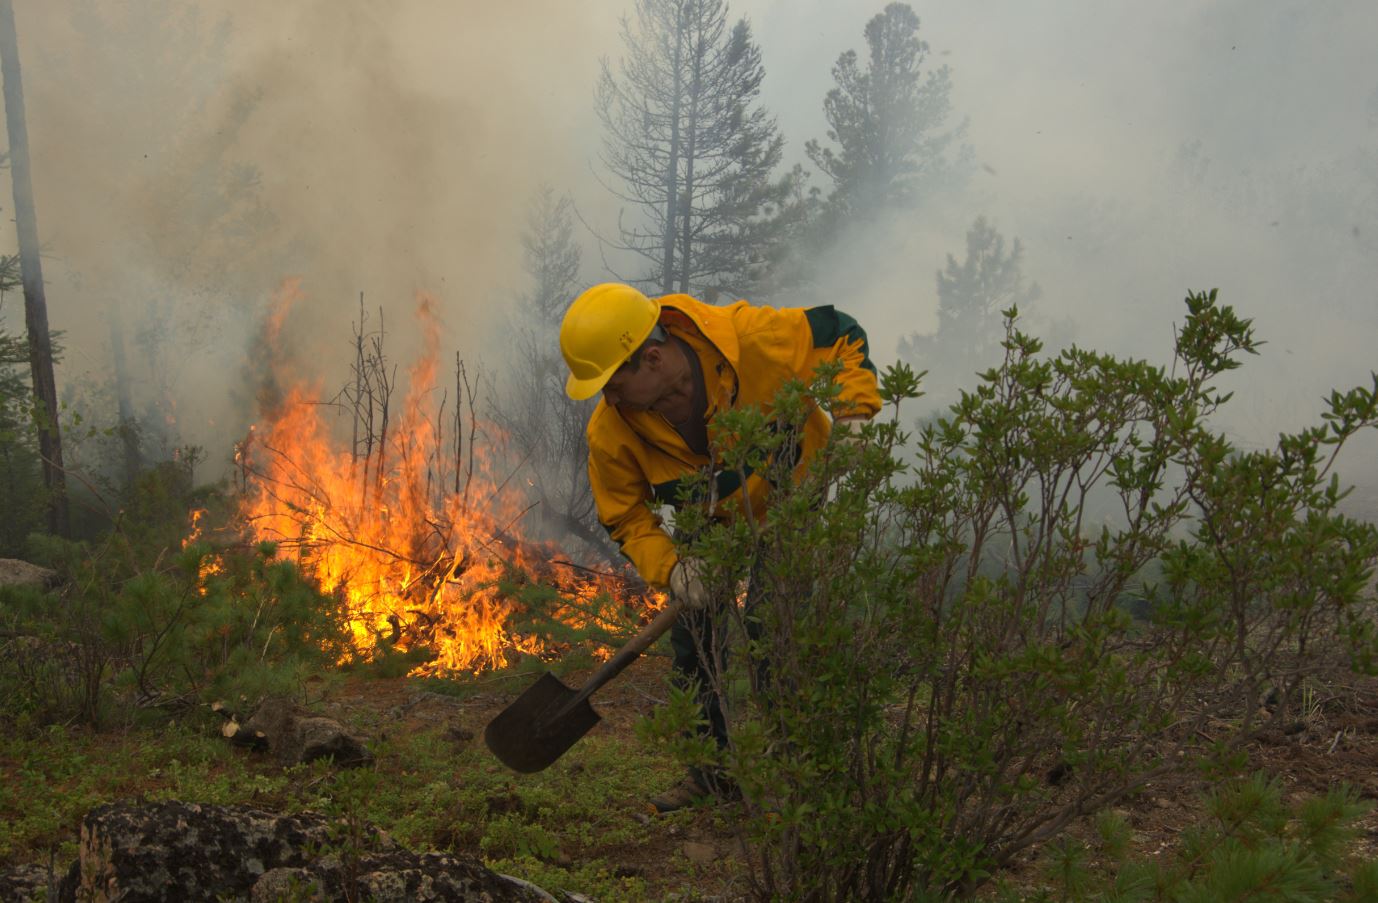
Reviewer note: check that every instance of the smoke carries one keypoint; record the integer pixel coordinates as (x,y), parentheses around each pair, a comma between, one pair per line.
(190,157)
(1139,153)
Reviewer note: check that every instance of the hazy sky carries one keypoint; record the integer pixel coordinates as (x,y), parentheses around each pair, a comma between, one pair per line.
(190,155)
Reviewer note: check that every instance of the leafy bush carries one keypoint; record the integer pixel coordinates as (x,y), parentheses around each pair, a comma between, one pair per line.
(947,667)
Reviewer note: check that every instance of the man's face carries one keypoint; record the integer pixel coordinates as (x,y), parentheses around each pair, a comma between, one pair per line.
(637,390)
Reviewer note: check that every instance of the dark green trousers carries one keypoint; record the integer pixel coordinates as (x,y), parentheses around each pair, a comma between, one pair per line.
(699,642)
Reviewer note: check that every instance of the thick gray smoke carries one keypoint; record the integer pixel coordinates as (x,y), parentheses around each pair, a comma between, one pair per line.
(189,157)
(1138,152)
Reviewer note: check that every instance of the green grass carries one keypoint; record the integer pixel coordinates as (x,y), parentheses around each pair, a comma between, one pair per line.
(55,775)
(573,826)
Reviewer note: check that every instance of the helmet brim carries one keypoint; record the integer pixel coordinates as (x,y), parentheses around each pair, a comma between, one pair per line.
(581,389)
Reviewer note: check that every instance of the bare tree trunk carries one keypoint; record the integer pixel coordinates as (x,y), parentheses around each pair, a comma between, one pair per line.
(358,387)
(459,421)
(691,126)
(123,397)
(667,272)
(35,307)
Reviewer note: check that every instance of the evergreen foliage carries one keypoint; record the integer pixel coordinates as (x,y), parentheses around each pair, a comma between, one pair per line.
(1248,845)
(22,495)
(544,428)
(971,296)
(946,668)
(693,150)
(888,124)
(121,634)
(550,256)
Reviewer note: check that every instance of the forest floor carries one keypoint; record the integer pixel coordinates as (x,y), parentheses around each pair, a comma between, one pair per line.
(584,825)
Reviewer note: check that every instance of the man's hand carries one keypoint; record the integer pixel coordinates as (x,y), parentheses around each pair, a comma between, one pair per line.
(847,431)
(686,584)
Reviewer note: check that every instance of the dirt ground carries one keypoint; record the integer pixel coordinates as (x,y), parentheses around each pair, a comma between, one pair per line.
(693,850)
(1336,742)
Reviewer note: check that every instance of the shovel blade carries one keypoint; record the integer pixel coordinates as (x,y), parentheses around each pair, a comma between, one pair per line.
(536,729)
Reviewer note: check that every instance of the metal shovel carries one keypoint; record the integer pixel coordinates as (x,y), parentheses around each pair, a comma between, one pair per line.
(549,717)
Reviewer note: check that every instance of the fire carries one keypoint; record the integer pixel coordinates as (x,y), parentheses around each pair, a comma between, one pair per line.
(211,564)
(412,535)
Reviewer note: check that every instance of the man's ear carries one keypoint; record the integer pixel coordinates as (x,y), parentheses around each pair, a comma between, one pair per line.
(653,356)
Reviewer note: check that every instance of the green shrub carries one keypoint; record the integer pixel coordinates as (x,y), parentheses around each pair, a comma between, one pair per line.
(948,670)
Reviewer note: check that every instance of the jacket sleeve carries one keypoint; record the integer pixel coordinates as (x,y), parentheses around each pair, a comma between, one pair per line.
(621,495)
(835,336)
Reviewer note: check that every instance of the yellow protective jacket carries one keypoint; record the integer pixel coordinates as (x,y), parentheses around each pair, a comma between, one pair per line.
(747,353)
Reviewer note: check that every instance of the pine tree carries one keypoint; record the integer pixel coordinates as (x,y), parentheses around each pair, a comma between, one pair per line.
(692,149)
(22,495)
(971,296)
(550,256)
(41,355)
(545,429)
(889,122)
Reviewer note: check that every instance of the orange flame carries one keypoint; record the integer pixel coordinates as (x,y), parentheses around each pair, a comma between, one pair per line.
(413,548)
(211,564)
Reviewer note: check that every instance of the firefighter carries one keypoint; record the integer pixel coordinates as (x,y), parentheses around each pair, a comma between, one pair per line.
(665,366)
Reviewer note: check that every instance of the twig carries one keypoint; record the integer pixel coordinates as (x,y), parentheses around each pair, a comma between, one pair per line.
(264,655)
(503,485)
(472,394)
(519,516)
(459,421)
(588,570)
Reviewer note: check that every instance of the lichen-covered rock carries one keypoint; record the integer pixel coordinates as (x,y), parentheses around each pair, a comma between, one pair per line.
(188,851)
(14,572)
(27,882)
(293,734)
(399,877)
(173,851)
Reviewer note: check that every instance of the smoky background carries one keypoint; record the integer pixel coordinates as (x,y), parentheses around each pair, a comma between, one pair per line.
(190,157)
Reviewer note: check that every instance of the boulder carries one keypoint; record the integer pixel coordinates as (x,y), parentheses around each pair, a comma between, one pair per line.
(28,882)
(175,851)
(398,877)
(293,734)
(14,572)
(188,851)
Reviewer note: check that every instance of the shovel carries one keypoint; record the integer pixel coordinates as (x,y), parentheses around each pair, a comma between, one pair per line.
(549,717)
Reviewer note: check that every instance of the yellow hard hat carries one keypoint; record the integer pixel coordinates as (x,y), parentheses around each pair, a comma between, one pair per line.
(601,330)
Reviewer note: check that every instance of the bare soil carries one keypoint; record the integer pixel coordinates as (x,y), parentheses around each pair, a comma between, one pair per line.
(692,854)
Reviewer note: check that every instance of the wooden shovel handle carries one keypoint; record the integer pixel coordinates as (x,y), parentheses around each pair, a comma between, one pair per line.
(629,653)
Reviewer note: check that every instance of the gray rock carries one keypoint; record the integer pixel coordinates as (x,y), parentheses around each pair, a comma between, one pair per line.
(188,851)
(400,877)
(293,734)
(14,572)
(185,851)
(28,882)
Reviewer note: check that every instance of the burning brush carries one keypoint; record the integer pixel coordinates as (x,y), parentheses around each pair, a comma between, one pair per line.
(408,522)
